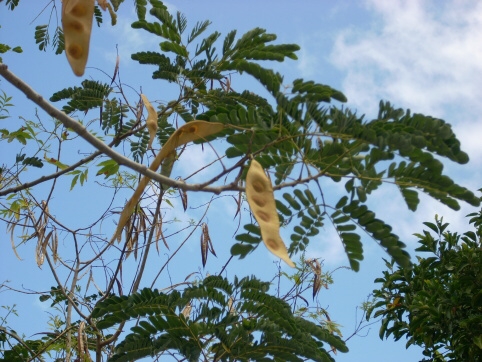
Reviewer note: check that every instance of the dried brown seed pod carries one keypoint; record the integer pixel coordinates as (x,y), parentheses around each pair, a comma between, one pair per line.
(183,196)
(186,311)
(316,267)
(206,244)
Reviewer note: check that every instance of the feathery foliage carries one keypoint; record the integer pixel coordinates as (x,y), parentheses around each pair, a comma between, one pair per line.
(253,326)
(302,133)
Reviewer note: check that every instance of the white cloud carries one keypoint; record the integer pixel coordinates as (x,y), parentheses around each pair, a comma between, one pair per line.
(127,40)
(426,56)
(423,55)
(193,159)
(328,247)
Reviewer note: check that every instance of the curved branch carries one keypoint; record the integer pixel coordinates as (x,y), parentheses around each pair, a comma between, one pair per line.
(97,143)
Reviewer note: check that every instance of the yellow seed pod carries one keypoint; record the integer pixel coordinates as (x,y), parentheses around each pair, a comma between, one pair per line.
(151,121)
(259,193)
(77,17)
(196,130)
(192,131)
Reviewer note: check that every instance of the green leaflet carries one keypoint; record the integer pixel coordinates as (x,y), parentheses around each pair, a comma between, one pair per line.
(29,161)
(12,4)
(140,6)
(175,48)
(312,92)
(139,147)
(116,4)
(108,168)
(90,95)
(98,15)
(113,112)
(43,39)
(248,241)
(206,46)
(305,209)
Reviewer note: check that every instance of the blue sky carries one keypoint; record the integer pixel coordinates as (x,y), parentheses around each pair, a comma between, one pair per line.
(422,55)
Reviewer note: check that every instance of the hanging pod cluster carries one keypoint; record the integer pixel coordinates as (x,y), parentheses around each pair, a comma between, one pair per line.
(77,17)
(192,131)
(259,193)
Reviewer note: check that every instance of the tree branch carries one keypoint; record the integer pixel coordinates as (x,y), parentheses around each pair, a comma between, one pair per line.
(98,144)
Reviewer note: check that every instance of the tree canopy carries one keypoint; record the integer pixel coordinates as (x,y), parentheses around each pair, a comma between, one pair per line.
(437,304)
(276,157)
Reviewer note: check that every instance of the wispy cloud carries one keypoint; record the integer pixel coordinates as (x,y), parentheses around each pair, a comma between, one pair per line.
(193,158)
(127,40)
(426,56)
(328,247)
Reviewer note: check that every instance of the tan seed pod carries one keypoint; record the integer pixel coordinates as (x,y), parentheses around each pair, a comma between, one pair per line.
(317,282)
(55,245)
(41,248)
(231,308)
(206,244)
(77,17)
(11,229)
(259,193)
(80,339)
(186,312)
(204,249)
(196,130)
(151,121)
(183,196)
(160,235)
(192,131)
